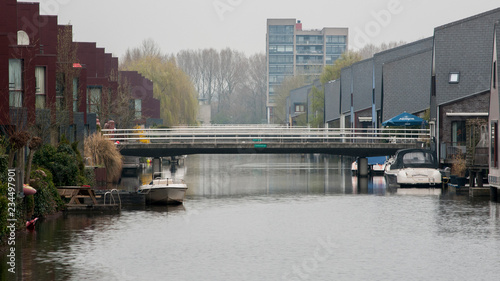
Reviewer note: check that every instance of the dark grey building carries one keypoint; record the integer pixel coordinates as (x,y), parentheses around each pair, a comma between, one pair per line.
(297,105)
(462,73)
(362,85)
(346,88)
(407,84)
(388,56)
(362,98)
(332,103)
(494,118)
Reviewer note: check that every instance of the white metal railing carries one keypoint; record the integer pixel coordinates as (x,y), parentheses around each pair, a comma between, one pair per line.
(261,134)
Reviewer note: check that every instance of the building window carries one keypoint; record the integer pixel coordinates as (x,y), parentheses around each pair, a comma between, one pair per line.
(458,133)
(138,108)
(40,90)
(22,38)
(94,95)
(335,39)
(300,108)
(281,29)
(280,39)
(75,94)
(15,83)
(281,59)
(454,77)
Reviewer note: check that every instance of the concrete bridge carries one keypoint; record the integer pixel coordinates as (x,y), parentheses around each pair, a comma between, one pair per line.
(265,140)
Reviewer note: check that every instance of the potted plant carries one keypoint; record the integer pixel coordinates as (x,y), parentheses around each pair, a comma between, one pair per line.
(458,168)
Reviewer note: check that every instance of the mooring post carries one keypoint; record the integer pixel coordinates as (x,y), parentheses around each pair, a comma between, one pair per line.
(363,167)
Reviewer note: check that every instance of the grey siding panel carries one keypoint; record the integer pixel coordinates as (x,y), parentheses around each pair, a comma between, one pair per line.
(332,100)
(465,47)
(363,84)
(299,95)
(345,77)
(497,31)
(407,84)
(390,55)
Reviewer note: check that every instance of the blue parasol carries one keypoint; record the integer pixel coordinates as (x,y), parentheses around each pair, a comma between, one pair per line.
(404,119)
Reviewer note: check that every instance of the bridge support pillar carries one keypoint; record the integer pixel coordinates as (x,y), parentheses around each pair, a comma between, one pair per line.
(156,166)
(363,167)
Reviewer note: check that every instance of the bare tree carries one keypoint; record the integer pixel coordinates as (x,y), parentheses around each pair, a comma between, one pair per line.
(121,110)
(232,83)
(256,82)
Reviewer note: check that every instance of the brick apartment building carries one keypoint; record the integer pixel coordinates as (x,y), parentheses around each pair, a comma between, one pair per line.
(63,90)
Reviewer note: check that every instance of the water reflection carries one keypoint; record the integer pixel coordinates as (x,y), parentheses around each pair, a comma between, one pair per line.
(230,175)
(369,185)
(260,217)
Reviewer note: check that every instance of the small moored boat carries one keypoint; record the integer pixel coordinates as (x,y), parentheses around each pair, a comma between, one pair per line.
(413,168)
(164,191)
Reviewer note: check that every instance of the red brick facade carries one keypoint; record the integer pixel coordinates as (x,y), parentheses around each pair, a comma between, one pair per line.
(37,52)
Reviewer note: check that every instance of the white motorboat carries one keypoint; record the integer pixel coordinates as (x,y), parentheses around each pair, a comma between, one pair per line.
(413,168)
(164,191)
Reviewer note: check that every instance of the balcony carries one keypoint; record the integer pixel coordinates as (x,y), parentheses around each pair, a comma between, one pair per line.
(310,42)
(310,62)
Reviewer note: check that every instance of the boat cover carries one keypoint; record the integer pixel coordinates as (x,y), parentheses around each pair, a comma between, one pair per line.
(414,158)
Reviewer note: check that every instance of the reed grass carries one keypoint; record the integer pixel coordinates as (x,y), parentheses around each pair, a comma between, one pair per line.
(102,152)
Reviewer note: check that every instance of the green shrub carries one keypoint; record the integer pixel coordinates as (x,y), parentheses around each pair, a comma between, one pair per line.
(3,168)
(61,162)
(46,199)
(90,176)
(3,209)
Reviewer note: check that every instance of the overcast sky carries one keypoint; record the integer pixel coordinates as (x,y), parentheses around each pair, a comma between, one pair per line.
(241,24)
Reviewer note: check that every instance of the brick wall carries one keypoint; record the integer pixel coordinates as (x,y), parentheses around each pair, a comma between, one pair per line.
(474,104)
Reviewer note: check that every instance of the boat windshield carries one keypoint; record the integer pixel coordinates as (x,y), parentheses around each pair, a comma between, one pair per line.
(418,159)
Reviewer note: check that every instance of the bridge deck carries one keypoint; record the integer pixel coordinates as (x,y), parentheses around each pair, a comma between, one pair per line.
(238,140)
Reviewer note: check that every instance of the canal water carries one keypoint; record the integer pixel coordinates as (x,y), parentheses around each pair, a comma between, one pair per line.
(271,217)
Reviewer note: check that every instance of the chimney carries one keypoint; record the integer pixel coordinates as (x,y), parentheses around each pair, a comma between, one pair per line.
(298,26)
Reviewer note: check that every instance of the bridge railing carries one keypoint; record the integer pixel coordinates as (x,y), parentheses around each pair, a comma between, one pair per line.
(236,134)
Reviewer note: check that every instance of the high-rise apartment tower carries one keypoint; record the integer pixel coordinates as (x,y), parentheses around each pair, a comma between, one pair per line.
(293,51)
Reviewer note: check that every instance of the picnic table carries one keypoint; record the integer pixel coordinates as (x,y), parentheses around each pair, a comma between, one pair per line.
(75,193)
